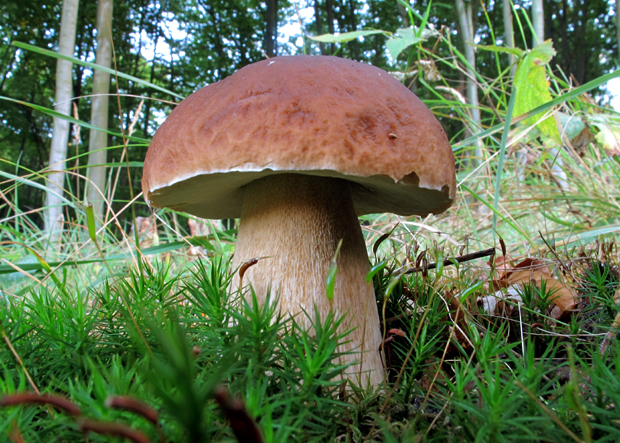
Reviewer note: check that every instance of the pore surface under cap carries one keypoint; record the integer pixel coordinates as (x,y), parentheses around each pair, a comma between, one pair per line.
(315,115)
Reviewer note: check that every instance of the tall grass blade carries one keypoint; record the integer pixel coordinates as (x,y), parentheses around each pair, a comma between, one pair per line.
(495,211)
(165,247)
(70,119)
(330,282)
(556,101)
(77,61)
(502,153)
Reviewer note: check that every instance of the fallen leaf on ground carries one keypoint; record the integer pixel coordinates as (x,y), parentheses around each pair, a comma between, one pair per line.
(532,271)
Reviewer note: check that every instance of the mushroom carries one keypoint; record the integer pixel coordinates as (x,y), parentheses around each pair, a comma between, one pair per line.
(298,147)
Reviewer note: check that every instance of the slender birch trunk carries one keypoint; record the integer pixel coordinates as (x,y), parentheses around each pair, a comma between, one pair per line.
(538,23)
(58,150)
(618,27)
(271,29)
(319,25)
(467,31)
(329,7)
(509,34)
(538,38)
(99,112)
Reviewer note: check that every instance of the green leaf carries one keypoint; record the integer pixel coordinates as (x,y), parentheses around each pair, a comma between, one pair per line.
(406,37)
(90,223)
(346,36)
(330,282)
(439,269)
(608,135)
(376,268)
(393,282)
(609,138)
(542,54)
(381,239)
(533,88)
(395,46)
(543,107)
(494,48)
(571,124)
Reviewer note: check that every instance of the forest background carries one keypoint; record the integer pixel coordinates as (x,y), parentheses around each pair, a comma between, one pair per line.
(182,46)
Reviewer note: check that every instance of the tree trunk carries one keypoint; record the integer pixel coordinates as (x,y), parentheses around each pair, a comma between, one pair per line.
(538,37)
(354,44)
(538,23)
(404,15)
(509,34)
(378,39)
(319,26)
(218,44)
(156,36)
(467,30)
(618,27)
(582,52)
(99,112)
(8,64)
(271,29)
(58,151)
(329,7)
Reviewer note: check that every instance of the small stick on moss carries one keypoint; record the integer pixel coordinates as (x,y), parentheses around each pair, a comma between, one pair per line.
(111,428)
(30,398)
(450,261)
(243,426)
(136,406)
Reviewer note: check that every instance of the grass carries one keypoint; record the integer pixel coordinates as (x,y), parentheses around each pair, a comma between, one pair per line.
(154,322)
(456,372)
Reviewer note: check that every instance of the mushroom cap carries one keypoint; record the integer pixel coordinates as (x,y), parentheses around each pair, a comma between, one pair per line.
(317,115)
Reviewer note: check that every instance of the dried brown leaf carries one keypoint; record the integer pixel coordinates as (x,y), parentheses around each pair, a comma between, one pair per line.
(535,271)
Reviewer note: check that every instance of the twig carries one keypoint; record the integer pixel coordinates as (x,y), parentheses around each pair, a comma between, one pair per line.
(30,398)
(243,426)
(450,261)
(112,428)
(136,406)
(127,403)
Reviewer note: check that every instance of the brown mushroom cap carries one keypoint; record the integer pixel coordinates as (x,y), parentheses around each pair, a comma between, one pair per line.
(316,115)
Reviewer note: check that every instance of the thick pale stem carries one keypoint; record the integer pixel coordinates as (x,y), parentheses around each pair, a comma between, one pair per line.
(297,221)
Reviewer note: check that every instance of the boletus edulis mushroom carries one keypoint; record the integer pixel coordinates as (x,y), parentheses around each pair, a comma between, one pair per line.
(298,147)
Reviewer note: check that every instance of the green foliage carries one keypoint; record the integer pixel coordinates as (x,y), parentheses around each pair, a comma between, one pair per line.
(533,88)
(89,350)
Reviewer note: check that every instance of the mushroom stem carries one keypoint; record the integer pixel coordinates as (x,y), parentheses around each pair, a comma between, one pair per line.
(297,221)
